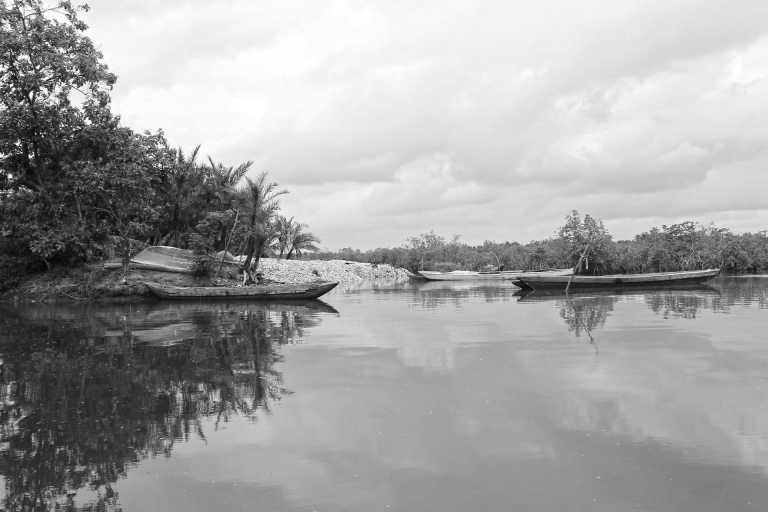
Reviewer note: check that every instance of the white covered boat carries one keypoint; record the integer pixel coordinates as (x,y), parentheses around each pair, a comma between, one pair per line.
(503,275)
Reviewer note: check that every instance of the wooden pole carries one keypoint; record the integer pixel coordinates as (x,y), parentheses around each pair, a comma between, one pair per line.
(577,267)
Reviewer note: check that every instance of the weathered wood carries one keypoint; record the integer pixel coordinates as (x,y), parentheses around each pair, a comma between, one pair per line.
(256,292)
(169,259)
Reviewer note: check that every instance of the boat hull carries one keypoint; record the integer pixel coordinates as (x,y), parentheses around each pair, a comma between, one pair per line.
(257,292)
(660,279)
(507,275)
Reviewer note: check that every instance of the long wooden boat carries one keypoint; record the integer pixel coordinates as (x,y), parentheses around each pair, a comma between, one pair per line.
(662,279)
(503,275)
(255,292)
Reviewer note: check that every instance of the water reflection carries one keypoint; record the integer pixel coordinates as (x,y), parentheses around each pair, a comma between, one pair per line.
(585,312)
(85,394)
(682,304)
(404,405)
(743,291)
(434,294)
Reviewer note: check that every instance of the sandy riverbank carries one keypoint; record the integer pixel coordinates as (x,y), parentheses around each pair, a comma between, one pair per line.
(349,274)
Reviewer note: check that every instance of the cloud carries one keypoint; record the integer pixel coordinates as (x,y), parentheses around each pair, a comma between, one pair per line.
(489,120)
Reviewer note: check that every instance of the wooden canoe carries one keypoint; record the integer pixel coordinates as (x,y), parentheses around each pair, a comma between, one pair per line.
(256,292)
(504,275)
(657,279)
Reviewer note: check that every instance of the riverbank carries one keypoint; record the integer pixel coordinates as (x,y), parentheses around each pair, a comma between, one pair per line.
(349,274)
(94,282)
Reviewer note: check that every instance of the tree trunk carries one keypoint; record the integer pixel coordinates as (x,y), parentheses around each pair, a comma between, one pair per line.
(249,248)
(125,248)
(251,264)
(227,241)
(260,241)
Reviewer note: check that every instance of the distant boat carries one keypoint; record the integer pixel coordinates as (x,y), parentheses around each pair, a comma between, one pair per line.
(657,279)
(502,275)
(255,292)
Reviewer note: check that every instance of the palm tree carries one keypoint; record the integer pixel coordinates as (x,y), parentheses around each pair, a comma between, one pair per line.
(194,191)
(224,182)
(300,241)
(181,185)
(283,228)
(227,178)
(262,204)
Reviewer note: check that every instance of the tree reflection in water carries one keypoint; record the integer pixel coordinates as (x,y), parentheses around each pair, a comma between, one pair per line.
(86,395)
(585,311)
(679,304)
(585,314)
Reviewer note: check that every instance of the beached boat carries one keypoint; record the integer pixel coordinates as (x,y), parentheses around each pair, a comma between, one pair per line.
(503,275)
(255,292)
(657,279)
(162,258)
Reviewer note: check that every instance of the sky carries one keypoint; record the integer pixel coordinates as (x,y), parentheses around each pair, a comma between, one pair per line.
(489,120)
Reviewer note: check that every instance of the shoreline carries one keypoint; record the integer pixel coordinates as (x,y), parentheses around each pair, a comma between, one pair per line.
(94,283)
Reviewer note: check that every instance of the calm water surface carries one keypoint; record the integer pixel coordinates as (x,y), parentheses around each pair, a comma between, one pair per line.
(432,397)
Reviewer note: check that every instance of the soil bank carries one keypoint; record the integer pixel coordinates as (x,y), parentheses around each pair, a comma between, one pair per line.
(94,282)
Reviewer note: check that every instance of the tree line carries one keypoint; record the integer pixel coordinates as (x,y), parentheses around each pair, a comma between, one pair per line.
(684,246)
(76,185)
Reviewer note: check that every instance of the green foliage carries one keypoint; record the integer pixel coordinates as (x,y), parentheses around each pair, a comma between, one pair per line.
(586,238)
(683,246)
(291,239)
(260,202)
(75,184)
(71,176)
(202,262)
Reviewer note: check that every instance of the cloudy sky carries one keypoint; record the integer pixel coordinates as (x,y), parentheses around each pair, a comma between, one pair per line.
(491,120)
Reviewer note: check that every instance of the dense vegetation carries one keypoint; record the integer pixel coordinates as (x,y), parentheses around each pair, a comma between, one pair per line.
(76,185)
(683,246)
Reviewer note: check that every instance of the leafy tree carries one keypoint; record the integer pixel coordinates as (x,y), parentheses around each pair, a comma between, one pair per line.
(122,191)
(586,241)
(54,118)
(44,60)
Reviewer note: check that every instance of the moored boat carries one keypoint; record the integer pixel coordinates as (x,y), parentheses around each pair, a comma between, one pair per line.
(256,292)
(502,275)
(656,279)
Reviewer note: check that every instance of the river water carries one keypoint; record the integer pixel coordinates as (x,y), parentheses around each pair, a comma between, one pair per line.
(431,397)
